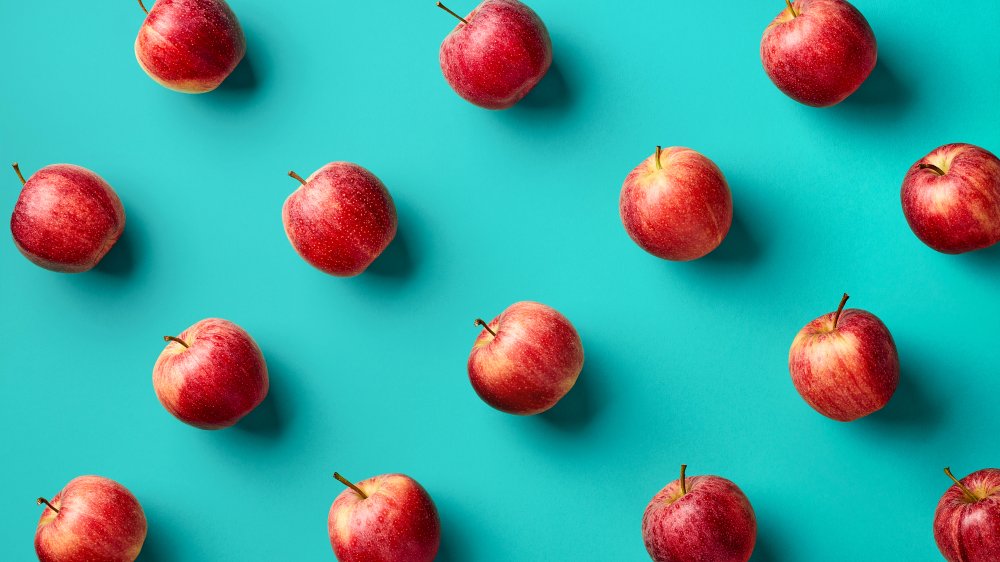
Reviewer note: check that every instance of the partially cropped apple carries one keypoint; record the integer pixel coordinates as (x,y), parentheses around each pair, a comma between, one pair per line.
(819,52)
(66,218)
(190,46)
(340,219)
(951,198)
(699,519)
(91,519)
(496,54)
(526,359)
(386,518)
(676,204)
(211,375)
(844,364)
(967,519)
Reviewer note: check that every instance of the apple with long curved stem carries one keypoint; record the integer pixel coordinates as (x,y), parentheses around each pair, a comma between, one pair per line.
(66,218)
(676,204)
(951,198)
(92,518)
(698,519)
(340,219)
(496,54)
(967,518)
(526,359)
(818,52)
(190,46)
(386,518)
(845,364)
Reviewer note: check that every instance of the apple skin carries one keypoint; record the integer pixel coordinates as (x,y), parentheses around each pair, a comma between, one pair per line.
(959,211)
(496,59)
(821,56)
(341,219)
(216,381)
(66,218)
(98,519)
(397,522)
(713,521)
(533,361)
(968,531)
(680,212)
(190,46)
(845,368)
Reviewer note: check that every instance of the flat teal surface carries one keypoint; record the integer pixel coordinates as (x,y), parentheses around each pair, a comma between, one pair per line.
(685,362)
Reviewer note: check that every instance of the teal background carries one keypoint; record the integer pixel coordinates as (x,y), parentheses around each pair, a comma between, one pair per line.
(685,362)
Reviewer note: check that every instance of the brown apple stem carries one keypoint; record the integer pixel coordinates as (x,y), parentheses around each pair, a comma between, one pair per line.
(178,340)
(445,8)
(40,501)
(965,491)
(836,315)
(17,170)
(143,6)
(350,485)
(479,322)
(684,486)
(791,9)
(933,168)
(659,149)
(296,176)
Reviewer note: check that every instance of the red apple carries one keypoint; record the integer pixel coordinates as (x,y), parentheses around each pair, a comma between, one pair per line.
(819,51)
(699,519)
(676,204)
(340,219)
(211,375)
(967,519)
(844,364)
(496,54)
(387,518)
(92,519)
(951,198)
(66,218)
(526,359)
(190,46)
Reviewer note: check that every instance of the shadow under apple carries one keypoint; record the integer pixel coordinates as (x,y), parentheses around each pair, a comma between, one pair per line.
(582,403)
(882,97)
(243,78)
(552,93)
(269,420)
(120,259)
(397,260)
(739,246)
(454,546)
(986,258)
(912,407)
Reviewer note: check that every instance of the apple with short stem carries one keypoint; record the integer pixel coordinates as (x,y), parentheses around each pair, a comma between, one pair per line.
(967,518)
(386,518)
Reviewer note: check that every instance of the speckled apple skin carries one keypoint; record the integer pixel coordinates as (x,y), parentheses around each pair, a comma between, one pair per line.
(680,212)
(190,46)
(66,218)
(398,522)
(959,211)
(848,372)
(712,522)
(341,219)
(216,381)
(970,532)
(98,520)
(497,58)
(822,56)
(534,360)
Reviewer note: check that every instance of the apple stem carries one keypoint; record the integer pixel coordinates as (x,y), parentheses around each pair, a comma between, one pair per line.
(791,9)
(684,486)
(17,170)
(350,485)
(836,315)
(178,340)
(479,322)
(298,177)
(933,168)
(659,149)
(445,8)
(40,501)
(965,491)
(143,6)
